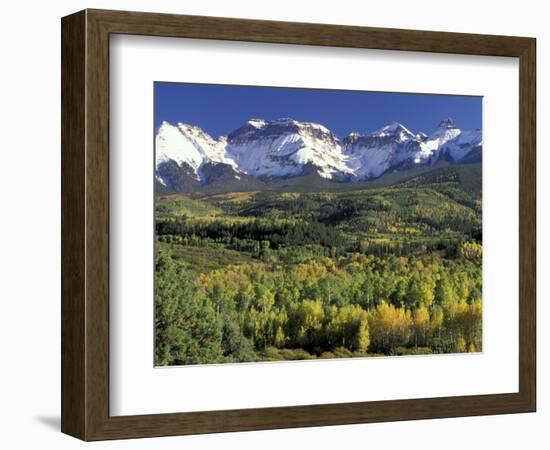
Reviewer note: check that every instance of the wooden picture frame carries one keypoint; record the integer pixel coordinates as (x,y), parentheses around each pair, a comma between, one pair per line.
(85,224)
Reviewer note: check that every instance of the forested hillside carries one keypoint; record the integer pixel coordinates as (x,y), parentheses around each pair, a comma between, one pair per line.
(287,273)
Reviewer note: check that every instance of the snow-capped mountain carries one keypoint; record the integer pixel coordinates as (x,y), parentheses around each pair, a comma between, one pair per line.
(371,155)
(282,148)
(445,132)
(189,145)
(394,147)
(464,145)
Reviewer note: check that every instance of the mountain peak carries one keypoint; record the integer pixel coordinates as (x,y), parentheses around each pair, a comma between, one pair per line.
(390,128)
(257,123)
(447,123)
(395,130)
(286,121)
(279,126)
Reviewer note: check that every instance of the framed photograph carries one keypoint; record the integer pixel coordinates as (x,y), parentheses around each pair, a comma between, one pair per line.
(273,225)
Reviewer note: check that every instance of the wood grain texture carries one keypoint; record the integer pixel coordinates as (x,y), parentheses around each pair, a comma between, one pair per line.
(85,224)
(73,109)
(527,225)
(201,27)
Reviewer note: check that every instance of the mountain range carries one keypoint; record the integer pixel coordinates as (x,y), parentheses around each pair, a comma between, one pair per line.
(188,158)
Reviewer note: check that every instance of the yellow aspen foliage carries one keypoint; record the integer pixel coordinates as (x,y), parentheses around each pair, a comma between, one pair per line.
(470,250)
(421,325)
(461,344)
(389,327)
(349,328)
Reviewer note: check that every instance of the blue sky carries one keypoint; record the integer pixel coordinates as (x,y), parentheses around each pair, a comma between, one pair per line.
(220,109)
